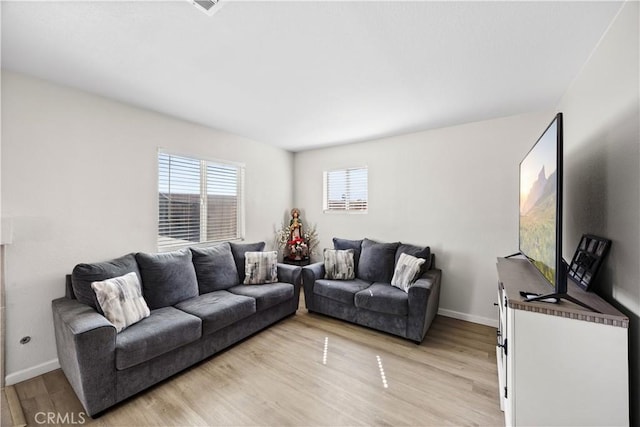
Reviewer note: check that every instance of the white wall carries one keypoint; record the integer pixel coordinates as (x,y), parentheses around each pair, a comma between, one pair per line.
(602,170)
(454,189)
(79,184)
(2,298)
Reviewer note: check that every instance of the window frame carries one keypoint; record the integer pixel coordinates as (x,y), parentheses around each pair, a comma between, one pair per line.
(347,210)
(204,163)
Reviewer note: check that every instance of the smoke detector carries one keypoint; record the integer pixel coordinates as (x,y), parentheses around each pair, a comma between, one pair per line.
(209,7)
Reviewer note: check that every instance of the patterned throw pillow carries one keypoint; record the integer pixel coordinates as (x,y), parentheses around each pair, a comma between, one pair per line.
(406,271)
(238,250)
(344,244)
(339,264)
(121,300)
(260,267)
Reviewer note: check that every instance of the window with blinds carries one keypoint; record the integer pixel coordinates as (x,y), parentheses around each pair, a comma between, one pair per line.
(199,201)
(346,190)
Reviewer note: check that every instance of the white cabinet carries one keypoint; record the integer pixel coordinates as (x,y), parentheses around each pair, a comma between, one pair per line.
(559,364)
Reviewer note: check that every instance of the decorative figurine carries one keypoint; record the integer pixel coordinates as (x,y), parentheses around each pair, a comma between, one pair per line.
(297,248)
(295,225)
(295,243)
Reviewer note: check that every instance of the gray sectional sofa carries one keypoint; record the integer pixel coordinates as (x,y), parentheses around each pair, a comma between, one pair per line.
(198,307)
(369,299)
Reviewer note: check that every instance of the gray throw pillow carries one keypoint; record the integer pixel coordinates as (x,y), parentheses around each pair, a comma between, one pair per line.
(338,264)
(344,244)
(84,275)
(238,250)
(121,300)
(261,267)
(215,268)
(423,252)
(167,277)
(377,261)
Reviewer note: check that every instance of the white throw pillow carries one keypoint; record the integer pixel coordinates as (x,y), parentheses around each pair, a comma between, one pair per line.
(121,300)
(339,264)
(406,271)
(260,267)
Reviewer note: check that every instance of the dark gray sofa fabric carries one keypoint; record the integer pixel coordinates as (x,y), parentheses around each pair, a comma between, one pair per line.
(310,274)
(377,261)
(246,327)
(165,329)
(340,290)
(266,295)
(425,291)
(238,250)
(392,324)
(334,308)
(167,278)
(383,298)
(215,268)
(140,377)
(86,347)
(423,252)
(218,309)
(378,305)
(85,274)
(160,345)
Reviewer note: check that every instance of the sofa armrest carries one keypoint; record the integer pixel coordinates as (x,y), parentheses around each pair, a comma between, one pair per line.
(310,274)
(424,298)
(86,345)
(289,274)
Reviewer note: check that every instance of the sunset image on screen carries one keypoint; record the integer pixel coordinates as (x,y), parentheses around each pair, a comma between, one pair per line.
(538,198)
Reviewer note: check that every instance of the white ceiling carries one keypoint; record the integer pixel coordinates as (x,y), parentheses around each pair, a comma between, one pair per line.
(306,74)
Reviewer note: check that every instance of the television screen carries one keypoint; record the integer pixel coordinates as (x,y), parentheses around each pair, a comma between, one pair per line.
(540,204)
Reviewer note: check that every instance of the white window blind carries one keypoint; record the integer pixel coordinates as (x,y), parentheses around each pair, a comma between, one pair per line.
(199,201)
(346,190)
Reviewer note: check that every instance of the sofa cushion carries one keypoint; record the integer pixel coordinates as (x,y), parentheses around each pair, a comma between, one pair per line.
(85,274)
(238,250)
(423,252)
(407,271)
(218,309)
(266,295)
(344,244)
(339,290)
(215,268)
(167,278)
(121,300)
(377,261)
(164,330)
(383,298)
(339,264)
(261,267)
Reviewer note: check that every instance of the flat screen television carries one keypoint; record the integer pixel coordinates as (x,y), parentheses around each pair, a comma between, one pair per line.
(540,225)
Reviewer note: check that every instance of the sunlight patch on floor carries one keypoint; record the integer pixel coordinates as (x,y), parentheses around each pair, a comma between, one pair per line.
(382,374)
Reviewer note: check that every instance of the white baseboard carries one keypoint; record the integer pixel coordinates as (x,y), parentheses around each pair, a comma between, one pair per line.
(32,372)
(468,317)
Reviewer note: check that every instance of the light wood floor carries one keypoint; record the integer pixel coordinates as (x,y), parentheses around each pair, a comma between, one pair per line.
(311,370)
(5,413)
